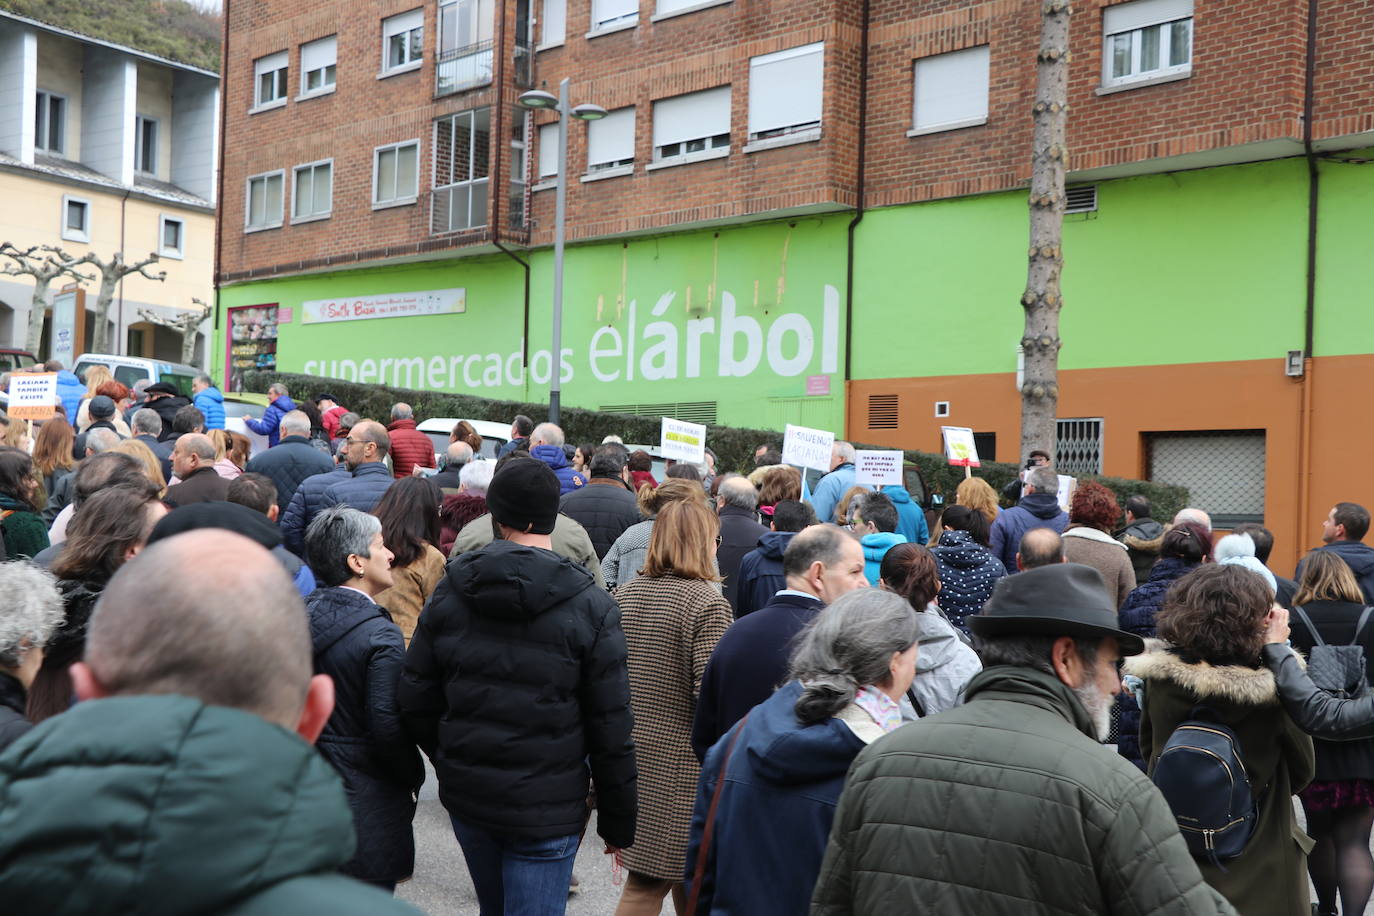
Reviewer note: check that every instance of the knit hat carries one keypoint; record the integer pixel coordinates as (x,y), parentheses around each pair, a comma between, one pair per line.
(1062,599)
(101,407)
(524,495)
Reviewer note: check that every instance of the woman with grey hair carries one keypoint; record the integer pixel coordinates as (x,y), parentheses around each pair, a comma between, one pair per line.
(784,764)
(468,504)
(362,650)
(30,612)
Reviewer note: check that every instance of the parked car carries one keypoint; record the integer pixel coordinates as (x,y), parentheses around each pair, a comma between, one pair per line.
(494,435)
(237,405)
(11,359)
(131,369)
(660,467)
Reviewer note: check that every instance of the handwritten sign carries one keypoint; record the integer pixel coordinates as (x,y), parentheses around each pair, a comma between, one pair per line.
(807,448)
(1067,485)
(878,468)
(387,305)
(959,447)
(682,441)
(33,395)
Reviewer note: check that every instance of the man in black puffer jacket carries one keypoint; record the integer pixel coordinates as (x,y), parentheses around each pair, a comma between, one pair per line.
(515,685)
(292,459)
(607,505)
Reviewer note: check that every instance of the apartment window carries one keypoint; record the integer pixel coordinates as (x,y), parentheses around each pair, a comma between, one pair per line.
(76,219)
(396,174)
(403,41)
(312,191)
(951,91)
(553,23)
(170,237)
(264,205)
(691,126)
(610,141)
(668,7)
(270,78)
(318,64)
(145,145)
(466,46)
(785,92)
(519,167)
(1146,40)
(50,124)
(462,164)
(609,13)
(548,151)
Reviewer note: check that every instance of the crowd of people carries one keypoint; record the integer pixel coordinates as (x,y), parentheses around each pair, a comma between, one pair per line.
(222,670)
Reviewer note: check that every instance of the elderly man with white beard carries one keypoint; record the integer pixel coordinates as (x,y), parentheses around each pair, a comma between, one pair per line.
(1010,803)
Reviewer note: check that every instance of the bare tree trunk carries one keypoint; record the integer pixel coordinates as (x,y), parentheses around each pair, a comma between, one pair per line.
(38,310)
(109,279)
(1042,299)
(188,347)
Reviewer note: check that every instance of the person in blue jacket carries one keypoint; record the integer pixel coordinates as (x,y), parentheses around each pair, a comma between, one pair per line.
(873,519)
(270,424)
(832,487)
(1038,508)
(911,520)
(70,390)
(788,757)
(210,400)
(546,444)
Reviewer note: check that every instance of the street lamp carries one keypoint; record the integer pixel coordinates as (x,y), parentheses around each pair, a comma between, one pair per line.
(539,99)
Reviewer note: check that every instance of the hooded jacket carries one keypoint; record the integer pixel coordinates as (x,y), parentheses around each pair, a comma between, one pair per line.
(605,507)
(760,572)
(1039,510)
(70,391)
(516,687)
(968,574)
(782,783)
(270,424)
(173,806)
(288,464)
(1006,805)
(911,520)
(553,456)
(1359,557)
(944,664)
(410,448)
(362,651)
(1143,538)
(830,489)
(210,401)
(875,547)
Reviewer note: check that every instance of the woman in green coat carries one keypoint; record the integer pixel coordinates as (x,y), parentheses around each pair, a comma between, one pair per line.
(20,525)
(1213,623)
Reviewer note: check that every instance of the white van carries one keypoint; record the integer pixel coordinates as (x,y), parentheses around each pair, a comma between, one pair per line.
(130,369)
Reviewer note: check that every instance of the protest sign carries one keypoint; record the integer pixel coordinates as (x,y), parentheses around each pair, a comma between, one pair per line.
(877,468)
(807,448)
(682,441)
(1067,485)
(33,395)
(959,446)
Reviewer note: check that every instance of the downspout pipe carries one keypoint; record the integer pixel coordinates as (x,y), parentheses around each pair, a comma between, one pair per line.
(860,178)
(219,204)
(525,328)
(1310,291)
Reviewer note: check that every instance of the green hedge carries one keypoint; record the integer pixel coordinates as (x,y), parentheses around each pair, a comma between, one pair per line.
(734,446)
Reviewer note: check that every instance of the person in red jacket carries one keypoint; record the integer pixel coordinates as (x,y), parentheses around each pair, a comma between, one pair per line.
(410,448)
(330,414)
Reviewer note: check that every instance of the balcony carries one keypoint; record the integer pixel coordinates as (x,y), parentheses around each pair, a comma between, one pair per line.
(458,207)
(458,69)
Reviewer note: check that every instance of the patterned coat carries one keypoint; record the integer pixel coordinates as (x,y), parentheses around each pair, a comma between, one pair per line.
(671,626)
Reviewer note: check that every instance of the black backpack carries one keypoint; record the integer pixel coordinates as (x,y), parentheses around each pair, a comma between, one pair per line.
(1338,670)
(1201,775)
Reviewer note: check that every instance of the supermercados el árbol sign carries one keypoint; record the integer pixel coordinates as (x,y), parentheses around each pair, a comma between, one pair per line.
(386,305)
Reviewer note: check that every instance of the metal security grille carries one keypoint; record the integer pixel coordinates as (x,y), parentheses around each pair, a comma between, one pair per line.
(882,411)
(1223,471)
(1081,200)
(692,411)
(1079,446)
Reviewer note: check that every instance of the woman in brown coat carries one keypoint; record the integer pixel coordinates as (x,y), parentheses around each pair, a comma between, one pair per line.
(1093,513)
(673,615)
(1214,620)
(409,512)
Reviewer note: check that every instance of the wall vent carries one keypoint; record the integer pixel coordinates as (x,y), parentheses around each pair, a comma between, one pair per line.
(882,411)
(703,412)
(1082,199)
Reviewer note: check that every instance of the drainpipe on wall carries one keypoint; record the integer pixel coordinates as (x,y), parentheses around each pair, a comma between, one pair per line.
(219,202)
(1310,304)
(859,208)
(498,138)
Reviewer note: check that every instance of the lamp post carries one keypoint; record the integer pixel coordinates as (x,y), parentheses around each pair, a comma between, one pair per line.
(537,99)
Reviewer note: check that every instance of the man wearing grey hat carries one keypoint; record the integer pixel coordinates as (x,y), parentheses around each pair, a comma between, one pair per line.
(1009,803)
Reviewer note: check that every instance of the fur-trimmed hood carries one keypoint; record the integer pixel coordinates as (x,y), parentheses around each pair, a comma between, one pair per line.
(1236,683)
(1141,544)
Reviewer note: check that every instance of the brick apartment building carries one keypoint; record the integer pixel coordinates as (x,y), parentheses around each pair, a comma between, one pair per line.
(814,212)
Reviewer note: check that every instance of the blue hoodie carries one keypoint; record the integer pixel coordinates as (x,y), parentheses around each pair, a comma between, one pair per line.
(875,547)
(775,810)
(70,391)
(568,479)
(911,521)
(760,572)
(211,403)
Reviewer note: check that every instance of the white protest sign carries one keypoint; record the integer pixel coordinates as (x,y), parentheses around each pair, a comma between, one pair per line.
(807,448)
(33,395)
(878,468)
(959,446)
(1067,485)
(682,441)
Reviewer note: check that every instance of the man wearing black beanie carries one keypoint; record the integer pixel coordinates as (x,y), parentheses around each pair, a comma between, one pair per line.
(515,686)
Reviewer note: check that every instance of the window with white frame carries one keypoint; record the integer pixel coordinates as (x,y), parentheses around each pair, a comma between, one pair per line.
(692,125)
(667,7)
(403,41)
(1145,40)
(171,237)
(270,79)
(611,141)
(145,145)
(312,191)
(50,124)
(76,219)
(263,207)
(462,166)
(396,174)
(548,151)
(785,91)
(319,61)
(553,23)
(951,90)
(607,13)
(466,24)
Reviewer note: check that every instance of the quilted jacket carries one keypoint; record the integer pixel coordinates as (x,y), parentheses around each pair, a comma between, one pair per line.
(289,463)
(305,504)
(968,573)
(409,448)
(363,490)
(1006,805)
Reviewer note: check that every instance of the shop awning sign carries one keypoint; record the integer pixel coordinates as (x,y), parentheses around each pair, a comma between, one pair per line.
(385,305)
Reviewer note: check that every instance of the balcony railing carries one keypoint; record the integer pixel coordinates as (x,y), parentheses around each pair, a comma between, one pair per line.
(463,68)
(524,64)
(458,207)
